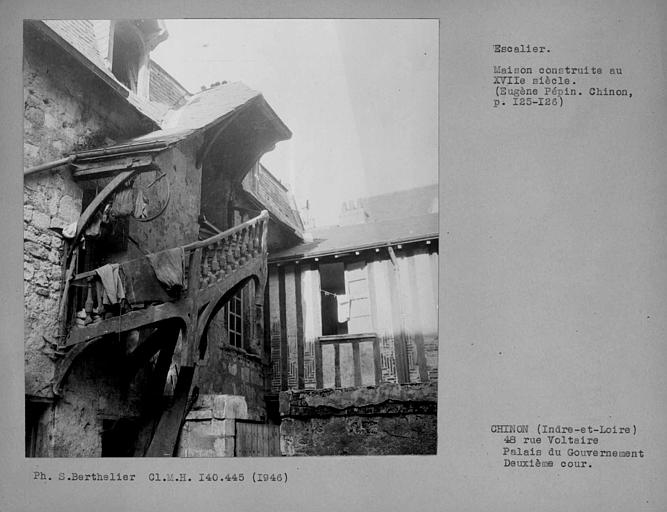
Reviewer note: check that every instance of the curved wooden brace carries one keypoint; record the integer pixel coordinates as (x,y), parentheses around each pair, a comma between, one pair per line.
(216,293)
(154,342)
(209,142)
(64,366)
(214,305)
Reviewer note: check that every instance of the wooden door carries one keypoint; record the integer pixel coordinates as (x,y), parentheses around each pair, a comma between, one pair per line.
(257,439)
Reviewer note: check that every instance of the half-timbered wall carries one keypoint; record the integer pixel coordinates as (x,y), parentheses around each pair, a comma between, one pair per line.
(392,321)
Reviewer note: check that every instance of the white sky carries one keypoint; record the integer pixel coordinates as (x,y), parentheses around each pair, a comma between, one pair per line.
(360,97)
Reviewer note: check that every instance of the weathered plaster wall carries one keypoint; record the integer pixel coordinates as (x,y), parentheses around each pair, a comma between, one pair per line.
(98,388)
(66,109)
(178,225)
(388,419)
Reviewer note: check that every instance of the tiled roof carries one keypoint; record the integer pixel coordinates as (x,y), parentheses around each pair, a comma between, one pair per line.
(340,239)
(275,197)
(177,118)
(203,110)
(164,89)
(205,107)
(394,205)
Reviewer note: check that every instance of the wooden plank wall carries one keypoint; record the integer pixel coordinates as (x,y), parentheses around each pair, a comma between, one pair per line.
(295,325)
(403,300)
(312,321)
(426,270)
(291,327)
(381,309)
(274,330)
(411,334)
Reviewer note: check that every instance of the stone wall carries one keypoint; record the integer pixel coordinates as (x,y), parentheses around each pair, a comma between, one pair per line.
(66,109)
(389,419)
(234,371)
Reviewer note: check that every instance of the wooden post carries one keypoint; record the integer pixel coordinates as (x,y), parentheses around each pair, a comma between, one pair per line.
(284,358)
(373,298)
(377,361)
(319,373)
(194,272)
(164,440)
(357,363)
(65,297)
(299,327)
(312,318)
(417,324)
(273,330)
(400,349)
(337,383)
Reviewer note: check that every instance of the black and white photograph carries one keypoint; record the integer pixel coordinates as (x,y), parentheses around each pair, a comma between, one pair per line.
(333,255)
(230,237)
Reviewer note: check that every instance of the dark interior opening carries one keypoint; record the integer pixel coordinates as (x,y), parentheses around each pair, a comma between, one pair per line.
(119,437)
(33,426)
(332,283)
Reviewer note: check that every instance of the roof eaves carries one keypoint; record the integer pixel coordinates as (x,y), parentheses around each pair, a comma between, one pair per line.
(260,204)
(282,129)
(352,248)
(120,150)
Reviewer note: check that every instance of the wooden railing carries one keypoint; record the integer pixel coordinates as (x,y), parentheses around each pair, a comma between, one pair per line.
(224,253)
(218,258)
(347,360)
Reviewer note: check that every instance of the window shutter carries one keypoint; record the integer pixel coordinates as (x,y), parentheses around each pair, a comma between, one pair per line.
(356,288)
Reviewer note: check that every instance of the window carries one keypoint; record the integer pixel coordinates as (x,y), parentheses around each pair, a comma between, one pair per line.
(347,343)
(235,320)
(345,298)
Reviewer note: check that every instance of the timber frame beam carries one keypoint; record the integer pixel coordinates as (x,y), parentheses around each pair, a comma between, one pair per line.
(129,321)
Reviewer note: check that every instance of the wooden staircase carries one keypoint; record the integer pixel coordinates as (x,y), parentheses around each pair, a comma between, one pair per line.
(214,269)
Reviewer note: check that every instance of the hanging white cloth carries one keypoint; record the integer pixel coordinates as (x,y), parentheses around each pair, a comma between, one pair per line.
(343,308)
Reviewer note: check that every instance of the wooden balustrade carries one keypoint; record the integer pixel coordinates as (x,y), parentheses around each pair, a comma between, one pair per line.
(348,360)
(221,255)
(226,252)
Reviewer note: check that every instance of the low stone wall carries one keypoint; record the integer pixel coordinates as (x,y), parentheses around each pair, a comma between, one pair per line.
(389,419)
